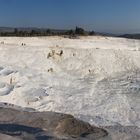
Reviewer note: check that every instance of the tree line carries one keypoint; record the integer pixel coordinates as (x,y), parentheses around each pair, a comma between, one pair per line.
(48,32)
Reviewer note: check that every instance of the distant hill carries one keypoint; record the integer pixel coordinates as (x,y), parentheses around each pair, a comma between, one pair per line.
(28,29)
(131,36)
(6,29)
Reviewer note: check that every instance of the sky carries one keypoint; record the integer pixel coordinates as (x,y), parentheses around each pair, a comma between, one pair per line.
(110,16)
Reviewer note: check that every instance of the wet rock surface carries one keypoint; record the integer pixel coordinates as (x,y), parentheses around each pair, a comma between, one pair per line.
(17,124)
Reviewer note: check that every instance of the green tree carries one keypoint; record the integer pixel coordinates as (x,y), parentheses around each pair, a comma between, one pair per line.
(79,31)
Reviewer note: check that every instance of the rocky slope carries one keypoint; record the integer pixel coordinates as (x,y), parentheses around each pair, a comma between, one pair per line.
(20,124)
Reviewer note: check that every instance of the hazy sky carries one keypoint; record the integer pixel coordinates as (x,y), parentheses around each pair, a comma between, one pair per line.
(114,16)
